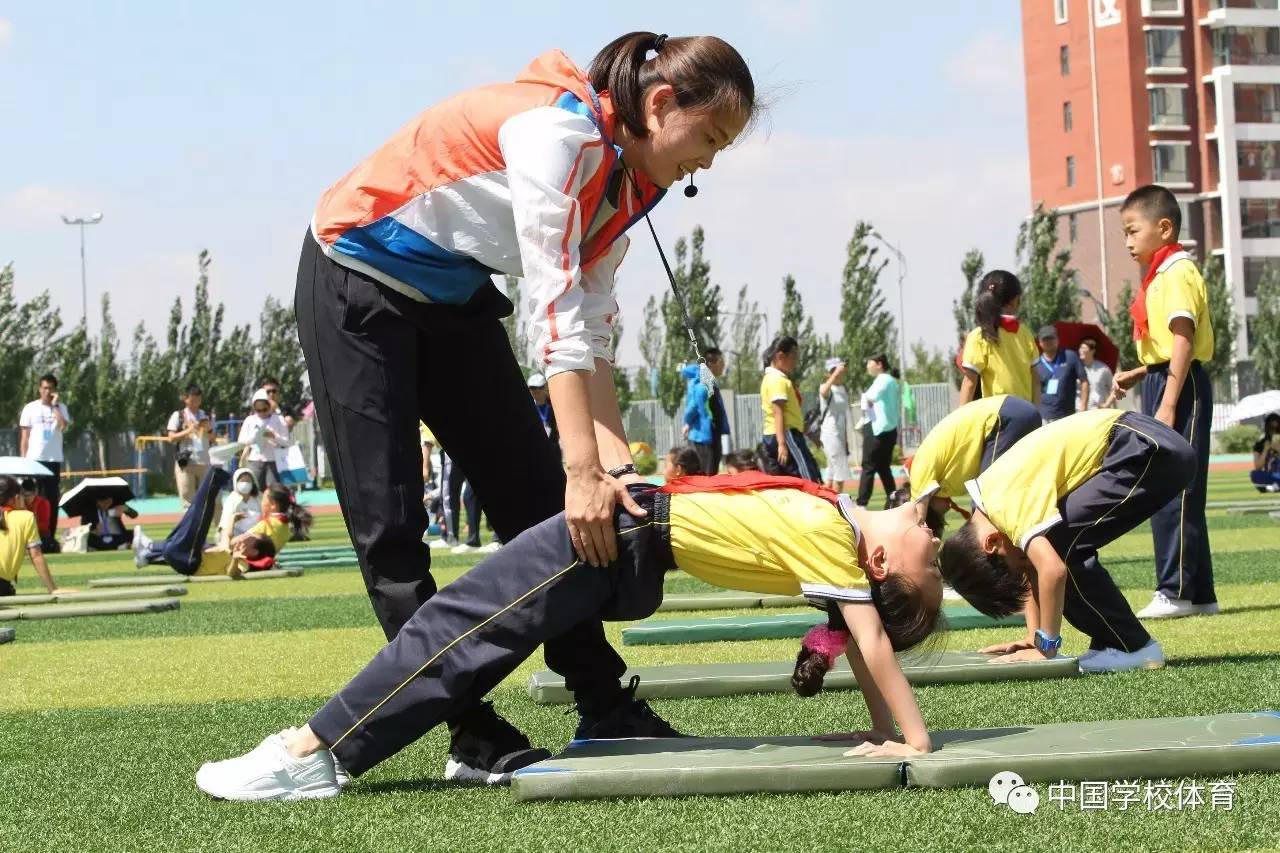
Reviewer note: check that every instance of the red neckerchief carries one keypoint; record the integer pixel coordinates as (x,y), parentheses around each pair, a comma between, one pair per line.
(280,516)
(1009,323)
(747,481)
(1138,308)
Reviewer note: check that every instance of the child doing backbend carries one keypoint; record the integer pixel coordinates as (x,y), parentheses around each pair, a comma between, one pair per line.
(750,531)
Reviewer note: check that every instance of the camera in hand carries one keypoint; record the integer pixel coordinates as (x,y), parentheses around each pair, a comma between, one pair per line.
(184,458)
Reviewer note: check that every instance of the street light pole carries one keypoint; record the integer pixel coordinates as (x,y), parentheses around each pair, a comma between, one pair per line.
(82,221)
(902,316)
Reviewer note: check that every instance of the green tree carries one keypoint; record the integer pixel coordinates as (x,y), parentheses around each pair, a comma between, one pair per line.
(927,365)
(112,385)
(1118,325)
(867,328)
(1266,331)
(70,358)
(972,268)
(652,338)
(745,346)
(26,331)
(278,353)
(797,324)
(1223,317)
(692,272)
(1049,289)
(621,381)
(153,392)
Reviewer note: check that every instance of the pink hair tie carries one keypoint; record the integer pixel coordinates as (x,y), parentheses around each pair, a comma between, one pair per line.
(831,642)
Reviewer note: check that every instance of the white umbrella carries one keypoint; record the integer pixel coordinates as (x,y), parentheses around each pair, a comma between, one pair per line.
(16,466)
(1256,406)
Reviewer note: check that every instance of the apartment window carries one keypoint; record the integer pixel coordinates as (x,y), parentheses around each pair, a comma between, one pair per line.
(1184,233)
(1071,227)
(1066,116)
(1246,46)
(1168,106)
(1064,60)
(1258,103)
(1169,163)
(1259,217)
(1071,171)
(1164,48)
(1258,160)
(1161,7)
(1244,4)
(1255,269)
(1059,11)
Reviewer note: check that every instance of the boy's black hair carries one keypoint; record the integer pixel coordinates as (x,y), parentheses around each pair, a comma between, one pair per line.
(50,378)
(711,352)
(984,580)
(265,545)
(192,389)
(687,458)
(743,460)
(1155,203)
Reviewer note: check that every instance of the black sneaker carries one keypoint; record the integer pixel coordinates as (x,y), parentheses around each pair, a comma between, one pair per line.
(631,717)
(486,748)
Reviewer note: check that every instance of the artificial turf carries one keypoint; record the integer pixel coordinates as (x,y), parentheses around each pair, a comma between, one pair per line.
(103,722)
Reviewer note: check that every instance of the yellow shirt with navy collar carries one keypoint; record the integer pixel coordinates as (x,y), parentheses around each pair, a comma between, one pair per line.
(951,453)
(1177,291)
(274,528)
(772,541)
(19,536)
(1004,366)
(1021,490)
(776,387)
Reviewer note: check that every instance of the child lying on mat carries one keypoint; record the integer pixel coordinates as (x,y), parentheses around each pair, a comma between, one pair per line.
(749,531)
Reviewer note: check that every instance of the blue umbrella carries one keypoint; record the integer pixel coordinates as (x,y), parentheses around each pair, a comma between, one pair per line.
(17,466)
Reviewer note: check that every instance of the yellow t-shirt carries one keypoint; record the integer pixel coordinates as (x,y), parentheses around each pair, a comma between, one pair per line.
(214,562)
(776,387)
(951,454)
(18,537)
(424,433)
(773,541)
(275,529)
(1020,491)
(1176,291)
(1003,366)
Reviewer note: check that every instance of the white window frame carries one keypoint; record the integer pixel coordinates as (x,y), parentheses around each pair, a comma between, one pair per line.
(1071,170)
(1171,143)
(1153,126)
(1059,11)
(1165,69)
(1148,13)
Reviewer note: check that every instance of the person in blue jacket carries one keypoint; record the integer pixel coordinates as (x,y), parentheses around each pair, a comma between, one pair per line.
(697,418)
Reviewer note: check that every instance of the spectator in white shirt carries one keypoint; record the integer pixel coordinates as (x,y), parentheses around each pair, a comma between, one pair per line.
(1099,375)
(189,428)
(242,510)
(264,434)
(42,424)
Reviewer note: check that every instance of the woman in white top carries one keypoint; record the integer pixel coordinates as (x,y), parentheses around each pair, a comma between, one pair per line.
(242,510)
(835,415)
(264,434)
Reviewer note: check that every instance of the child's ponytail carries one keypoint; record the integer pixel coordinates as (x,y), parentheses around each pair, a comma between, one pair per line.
(996,290)
(707,74)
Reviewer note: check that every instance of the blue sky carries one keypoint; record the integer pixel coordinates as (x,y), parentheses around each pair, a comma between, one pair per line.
(217,126)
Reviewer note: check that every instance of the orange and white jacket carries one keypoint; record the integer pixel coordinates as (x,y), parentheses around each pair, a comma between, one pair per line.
(520,178)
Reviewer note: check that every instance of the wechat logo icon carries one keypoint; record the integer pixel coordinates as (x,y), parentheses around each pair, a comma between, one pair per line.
(1008,789)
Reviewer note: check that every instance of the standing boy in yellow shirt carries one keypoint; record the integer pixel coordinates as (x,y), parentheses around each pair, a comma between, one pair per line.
(1174,336)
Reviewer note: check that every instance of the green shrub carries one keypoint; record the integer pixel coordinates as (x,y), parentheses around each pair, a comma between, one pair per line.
(646,464)
(1237,439)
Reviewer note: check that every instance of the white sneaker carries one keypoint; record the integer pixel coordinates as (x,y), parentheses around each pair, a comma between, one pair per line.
(221,454)
(269,772)
(438,544)
(493,546)
(1164,607)
(1210,609)
(1087,656)
(340,774)
(141,548)
(464,548)
(1150,656)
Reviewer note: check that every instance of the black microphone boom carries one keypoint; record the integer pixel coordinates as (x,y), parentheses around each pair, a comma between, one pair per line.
(690,191)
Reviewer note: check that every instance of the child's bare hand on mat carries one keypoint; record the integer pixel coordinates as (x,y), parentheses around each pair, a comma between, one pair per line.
(1006,648)
(888,749)
(1025,654)
(63,590)
(866,735)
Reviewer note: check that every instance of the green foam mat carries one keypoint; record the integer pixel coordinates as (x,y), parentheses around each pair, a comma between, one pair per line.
(1123,749)
(776,627)
(690,681)
(103,608)
(95,595)
(727,601)
(175,578)
(6,635)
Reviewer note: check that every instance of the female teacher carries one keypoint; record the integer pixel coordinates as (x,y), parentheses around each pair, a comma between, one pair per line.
(400,322)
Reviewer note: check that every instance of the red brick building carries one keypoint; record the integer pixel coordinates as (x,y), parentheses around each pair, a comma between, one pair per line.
(1184,93)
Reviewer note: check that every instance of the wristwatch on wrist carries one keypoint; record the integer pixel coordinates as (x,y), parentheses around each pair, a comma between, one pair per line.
(1046,644)
(623,470)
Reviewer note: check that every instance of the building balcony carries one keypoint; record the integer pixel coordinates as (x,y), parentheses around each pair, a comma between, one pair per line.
(1214,5)
(1241,13)
(1245,56)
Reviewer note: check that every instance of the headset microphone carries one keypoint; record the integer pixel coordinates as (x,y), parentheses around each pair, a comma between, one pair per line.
(690,191)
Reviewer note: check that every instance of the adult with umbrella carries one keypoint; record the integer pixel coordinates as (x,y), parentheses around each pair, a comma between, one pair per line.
(1099,355)
(100,502)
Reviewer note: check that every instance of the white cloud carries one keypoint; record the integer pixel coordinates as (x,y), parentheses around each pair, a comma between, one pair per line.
(989,64)
(797,18)
(788,204)
(38,205)
(6,31)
